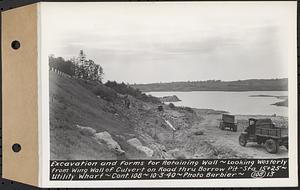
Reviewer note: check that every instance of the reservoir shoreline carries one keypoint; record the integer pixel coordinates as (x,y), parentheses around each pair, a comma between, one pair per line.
(237,103)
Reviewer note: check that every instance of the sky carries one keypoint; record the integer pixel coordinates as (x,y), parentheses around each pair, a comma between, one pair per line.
(165,42)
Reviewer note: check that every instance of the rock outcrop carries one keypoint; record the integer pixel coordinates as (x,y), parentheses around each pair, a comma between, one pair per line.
(102,138)
(173,98)
(139,146)
(178,154)
(88,131)
(105,137)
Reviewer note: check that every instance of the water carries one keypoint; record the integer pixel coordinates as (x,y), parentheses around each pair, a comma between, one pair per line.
(233,102)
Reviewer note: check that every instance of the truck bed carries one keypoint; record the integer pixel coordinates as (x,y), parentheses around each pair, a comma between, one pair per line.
(226,118)
(272,132)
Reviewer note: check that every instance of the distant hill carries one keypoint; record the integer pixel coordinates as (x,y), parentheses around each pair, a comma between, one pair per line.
(218,85)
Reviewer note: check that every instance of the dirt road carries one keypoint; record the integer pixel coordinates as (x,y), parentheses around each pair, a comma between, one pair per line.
(228,140)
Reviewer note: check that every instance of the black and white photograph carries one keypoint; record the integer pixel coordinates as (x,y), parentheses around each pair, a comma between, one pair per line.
(160,94)
(169,81)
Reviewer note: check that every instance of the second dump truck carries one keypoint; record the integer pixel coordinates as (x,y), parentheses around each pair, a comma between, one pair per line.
(227,122)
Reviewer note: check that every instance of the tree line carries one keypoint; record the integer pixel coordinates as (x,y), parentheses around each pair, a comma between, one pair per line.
(88,70)
(218,85)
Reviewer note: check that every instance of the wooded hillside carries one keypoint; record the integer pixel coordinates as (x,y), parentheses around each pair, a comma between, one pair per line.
(218,85)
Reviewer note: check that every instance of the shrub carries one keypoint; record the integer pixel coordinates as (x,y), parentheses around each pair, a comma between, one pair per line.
(105,92)
(62,65)
(123,88)
(188,109)
(171,105)
(160,108)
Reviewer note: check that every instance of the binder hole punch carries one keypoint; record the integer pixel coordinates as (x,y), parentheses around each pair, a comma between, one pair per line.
(15,44)
(16,147)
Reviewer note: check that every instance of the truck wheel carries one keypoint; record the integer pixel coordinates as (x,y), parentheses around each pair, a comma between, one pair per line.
(272,146)
(242,140)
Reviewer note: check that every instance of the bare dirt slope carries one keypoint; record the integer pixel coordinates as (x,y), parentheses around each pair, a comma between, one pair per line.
(71,104)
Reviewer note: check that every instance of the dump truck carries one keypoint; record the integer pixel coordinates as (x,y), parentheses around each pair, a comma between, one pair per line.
(263,131)
(227,122)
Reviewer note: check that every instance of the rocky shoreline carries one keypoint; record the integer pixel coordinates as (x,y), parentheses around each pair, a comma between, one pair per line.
(283,103)
(173,98)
